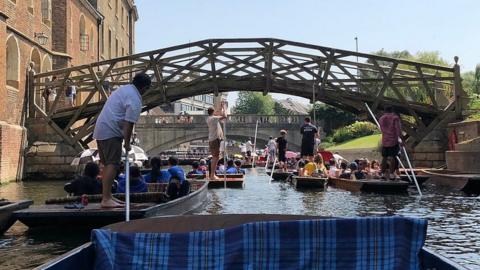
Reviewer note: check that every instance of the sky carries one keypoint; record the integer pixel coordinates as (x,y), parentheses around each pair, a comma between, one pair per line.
(449,27)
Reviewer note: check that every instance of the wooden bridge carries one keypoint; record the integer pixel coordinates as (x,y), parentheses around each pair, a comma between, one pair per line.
(425,95)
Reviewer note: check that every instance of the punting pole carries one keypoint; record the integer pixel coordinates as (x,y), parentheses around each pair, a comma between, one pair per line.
(255,144)
(273,169)
(225,153)
(398,159)
(127,188)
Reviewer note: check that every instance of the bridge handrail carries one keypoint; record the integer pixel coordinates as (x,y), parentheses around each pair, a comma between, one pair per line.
(232,119)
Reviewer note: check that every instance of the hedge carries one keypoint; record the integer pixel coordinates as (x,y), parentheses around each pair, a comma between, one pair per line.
(353,131)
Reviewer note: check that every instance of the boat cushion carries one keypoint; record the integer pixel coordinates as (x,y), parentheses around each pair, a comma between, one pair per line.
(350,243)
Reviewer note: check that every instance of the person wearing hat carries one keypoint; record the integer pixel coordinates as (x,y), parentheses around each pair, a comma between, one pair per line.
(282,149)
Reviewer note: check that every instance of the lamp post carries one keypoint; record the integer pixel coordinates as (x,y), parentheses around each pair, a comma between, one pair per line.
(356,49)
(41,38)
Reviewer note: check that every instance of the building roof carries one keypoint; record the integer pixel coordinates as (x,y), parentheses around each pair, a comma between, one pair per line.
(294,106)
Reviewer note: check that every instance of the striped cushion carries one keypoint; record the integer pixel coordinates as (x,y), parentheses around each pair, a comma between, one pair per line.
(358,243)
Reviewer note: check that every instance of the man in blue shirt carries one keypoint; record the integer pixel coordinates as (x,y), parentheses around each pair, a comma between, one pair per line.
(231,169)
(175,170)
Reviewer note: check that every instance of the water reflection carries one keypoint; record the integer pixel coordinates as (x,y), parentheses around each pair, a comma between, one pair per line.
(453,218)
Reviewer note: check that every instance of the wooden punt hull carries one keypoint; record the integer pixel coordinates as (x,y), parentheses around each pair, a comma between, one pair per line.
(247,166)
(232,181)
(375,186)
(6,213)
(307,182)
(468,183)
(93,216)
(83,257)
(420,178)
(280,175)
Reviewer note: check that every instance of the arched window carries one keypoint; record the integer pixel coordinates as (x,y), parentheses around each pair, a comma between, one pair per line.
(47,63)
(36,59)
(13,62)
(83,35)
(47,11)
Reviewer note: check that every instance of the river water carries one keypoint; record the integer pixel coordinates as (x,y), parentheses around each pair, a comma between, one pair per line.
(454,219)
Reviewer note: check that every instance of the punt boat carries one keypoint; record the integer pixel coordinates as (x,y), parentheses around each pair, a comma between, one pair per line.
(370,185)
(230,181)
(466,182)
(231,241)
(280,175)
(54,213)
(6,209)
(309,182)
(420,178)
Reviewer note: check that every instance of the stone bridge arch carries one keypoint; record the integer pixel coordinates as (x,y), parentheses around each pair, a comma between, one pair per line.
(156,136)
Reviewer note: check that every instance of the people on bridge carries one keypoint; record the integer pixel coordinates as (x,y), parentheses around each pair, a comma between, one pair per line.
(137,183)
(71,93)
(272,150)
(391,132)
(114,125)
(215,135)
(195,170)
(309,133)
(282,145)
(156,175)
(87,183)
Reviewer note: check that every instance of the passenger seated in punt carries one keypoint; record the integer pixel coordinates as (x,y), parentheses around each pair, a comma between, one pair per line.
(231,169)
(316,167)
(203,165)
(177,188)
(355,173)
(301,168)
(156,175)
(344,171)
(221,167)
(175,170)
(195,170)
(137,184)
(87,183)
(238,166)
(333,171)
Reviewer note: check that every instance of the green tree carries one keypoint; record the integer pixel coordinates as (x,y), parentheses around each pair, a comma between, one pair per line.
(280,110)
(333,118)
(254,103)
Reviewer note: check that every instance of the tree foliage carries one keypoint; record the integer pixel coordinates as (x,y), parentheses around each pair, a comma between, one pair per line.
(332,117)
(254,103)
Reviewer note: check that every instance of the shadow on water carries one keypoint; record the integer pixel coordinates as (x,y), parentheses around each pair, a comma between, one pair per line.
(453,217)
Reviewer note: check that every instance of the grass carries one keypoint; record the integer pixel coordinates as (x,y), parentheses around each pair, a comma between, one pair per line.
(371,141)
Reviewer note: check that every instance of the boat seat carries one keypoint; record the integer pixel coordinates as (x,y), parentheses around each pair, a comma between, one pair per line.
(350,243)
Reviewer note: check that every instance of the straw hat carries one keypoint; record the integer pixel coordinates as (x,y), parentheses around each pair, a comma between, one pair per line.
(283,131)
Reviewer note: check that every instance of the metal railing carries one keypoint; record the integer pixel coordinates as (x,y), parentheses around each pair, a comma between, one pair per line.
(245,119)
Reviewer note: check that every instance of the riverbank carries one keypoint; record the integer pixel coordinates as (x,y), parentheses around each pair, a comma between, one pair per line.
(364,147)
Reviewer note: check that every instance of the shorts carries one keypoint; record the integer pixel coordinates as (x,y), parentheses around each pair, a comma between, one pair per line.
(249,153)
(110,151)
(214,147)
(391,151)
(307,150)
(281,156)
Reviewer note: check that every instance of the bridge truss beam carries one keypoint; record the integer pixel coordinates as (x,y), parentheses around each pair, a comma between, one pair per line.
(423,94)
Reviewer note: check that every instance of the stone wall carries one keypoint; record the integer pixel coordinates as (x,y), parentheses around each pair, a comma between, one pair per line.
(46,160)
(465,154)
(12,141)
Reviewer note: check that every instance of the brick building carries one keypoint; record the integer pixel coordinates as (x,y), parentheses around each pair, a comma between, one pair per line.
(71,33)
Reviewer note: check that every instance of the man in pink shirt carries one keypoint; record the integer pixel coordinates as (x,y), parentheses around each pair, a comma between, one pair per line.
(391,131)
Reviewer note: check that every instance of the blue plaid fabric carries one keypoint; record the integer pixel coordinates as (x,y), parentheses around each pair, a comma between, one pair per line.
(354,243)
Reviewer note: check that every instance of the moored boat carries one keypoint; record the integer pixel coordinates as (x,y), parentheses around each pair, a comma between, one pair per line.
(222,234)
(307,182)
(149,204)
(6,209)
(370,185)
(466,182)
(229,181)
